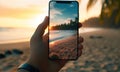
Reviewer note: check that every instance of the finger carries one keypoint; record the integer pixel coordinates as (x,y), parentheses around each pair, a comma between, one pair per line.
(46,42)
(81,39)
(80,25)
(61,62)
(45,38)
(80,50)
(41,28)
(79,53)
(80,46)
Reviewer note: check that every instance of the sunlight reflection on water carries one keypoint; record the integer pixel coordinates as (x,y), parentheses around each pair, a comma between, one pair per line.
(84,30)
(20,35)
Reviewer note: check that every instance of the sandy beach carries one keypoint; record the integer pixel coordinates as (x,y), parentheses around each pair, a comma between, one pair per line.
(19,45)
(11,62)
(65,48)
(101,53)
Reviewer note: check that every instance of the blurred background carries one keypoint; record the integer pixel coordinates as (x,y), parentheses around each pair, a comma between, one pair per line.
(101,32)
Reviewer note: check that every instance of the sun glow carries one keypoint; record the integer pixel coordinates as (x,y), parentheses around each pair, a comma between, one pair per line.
(50,27)
(25,13)
(46,31)
(50,36)
(35,21)
(52,43)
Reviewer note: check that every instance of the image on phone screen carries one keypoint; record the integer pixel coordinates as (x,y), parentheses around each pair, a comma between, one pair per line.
(63,30)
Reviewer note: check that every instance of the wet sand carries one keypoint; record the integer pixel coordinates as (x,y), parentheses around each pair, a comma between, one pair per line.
(65,48)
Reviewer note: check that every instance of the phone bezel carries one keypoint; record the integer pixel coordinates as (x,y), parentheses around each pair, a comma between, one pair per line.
(77,30)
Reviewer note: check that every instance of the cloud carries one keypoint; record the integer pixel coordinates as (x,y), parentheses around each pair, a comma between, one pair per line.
(57,21)
(61,21)
(22,9)
(71,5)
(19,12)
(75,15)
(22,12)
(68,20)
(52,5)
(23,3)
(54,11)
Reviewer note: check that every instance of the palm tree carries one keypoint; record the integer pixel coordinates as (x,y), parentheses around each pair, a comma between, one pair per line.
(110,13)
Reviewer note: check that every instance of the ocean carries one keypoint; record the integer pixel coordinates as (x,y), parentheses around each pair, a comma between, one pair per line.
(61,34)
(12,35)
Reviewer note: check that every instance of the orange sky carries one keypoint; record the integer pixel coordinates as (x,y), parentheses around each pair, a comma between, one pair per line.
(30,13)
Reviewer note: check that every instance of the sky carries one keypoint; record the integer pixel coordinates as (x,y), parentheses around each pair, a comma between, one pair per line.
(62,13)
(30,13)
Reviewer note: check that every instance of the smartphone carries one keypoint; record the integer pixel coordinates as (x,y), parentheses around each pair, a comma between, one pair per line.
(63,30)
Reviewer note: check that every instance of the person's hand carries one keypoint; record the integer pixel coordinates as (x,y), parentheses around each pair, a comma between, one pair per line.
(39,50)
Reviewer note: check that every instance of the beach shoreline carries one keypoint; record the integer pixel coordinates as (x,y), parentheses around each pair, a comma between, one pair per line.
(101,49)
(12,61)
(65,48)
(19,45)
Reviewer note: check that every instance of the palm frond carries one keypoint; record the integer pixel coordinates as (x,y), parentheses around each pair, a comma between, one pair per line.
(91,3)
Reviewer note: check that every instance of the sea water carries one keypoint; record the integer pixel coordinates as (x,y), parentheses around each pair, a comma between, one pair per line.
(11,35)
(61,34)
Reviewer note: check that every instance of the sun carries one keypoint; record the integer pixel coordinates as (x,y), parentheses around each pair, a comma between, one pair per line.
(52,43)
(36,20)
(50,27)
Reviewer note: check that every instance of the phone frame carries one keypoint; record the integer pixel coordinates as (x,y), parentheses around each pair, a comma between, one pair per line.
(77,30)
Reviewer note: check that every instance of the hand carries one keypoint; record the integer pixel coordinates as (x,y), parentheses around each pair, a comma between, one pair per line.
(39,50)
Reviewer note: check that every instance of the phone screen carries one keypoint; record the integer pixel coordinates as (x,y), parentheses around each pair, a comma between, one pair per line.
(63,29)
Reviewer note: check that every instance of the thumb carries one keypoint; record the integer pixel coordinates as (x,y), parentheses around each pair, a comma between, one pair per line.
(41,28)
(46,38)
